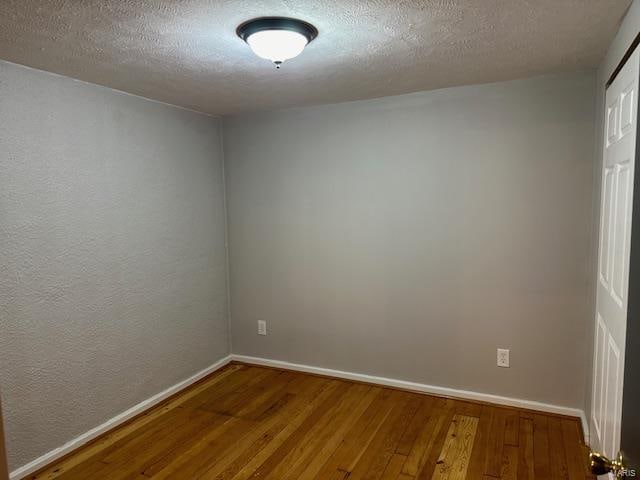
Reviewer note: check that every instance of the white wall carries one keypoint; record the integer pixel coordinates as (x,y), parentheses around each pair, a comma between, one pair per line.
(112,254)
(407,237)
(411,236)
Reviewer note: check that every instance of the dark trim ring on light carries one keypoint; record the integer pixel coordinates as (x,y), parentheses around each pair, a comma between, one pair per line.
(276,23)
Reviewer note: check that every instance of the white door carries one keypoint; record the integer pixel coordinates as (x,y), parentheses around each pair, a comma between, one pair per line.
(613,263)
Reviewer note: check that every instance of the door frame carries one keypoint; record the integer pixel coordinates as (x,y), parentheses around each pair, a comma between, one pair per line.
(630,396)
(623,61)
(4,468)
(631,392)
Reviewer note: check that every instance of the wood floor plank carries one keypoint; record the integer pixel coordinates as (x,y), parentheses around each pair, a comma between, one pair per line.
(511,427)
(202,450)
(282,452)
(430,457)
(509,469)
(266,431)
(233,383)
(228,403)
(542,467)
(263,430)
(250,446)
(182,425)
(311,408)
(478,460)
(358,439)
(424,411)
(89,469)
(255,395)
(525,450)
(557,456)
(394,467)
(426,441)
(138,442)
(455,455)
(208,455)
(374,461)
(268,399)
(495,442)
(330,442)
(321,439)
(162,451)
(468,409)
(255,422)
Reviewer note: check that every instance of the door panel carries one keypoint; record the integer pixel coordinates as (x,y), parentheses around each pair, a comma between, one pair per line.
(613,392)
(599,374)
(605,234)
(614,254)
(627,99)
(619,255)
(612,121)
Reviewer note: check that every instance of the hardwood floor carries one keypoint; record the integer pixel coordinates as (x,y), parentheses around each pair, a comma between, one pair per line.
(252,422)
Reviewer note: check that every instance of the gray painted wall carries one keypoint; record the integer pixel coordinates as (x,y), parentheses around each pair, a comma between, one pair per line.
(112,254)
(629,28)
(411,236)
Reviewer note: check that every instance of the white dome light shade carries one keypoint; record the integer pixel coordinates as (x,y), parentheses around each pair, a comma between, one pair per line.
(277,45)
(277,38)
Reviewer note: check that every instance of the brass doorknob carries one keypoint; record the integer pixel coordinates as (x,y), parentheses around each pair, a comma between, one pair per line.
(601,465)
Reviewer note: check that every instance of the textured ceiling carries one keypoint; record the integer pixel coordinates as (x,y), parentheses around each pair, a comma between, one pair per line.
(185,52)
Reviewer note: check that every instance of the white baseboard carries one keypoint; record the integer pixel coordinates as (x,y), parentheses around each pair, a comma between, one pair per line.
(77,442)
(585,427)
(421,387)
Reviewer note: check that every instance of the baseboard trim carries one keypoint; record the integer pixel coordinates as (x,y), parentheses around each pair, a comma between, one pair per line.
(423,388)
(119,419)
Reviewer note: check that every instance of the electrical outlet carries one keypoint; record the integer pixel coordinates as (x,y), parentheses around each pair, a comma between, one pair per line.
(262,327)
(503,357)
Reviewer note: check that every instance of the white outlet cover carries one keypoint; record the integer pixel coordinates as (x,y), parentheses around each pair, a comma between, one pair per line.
(503,357)
(262,327)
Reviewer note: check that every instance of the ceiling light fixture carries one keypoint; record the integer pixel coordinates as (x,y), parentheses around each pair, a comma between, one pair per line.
(277,38)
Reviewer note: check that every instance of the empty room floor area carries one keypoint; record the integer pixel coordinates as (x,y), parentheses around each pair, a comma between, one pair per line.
(253,422)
